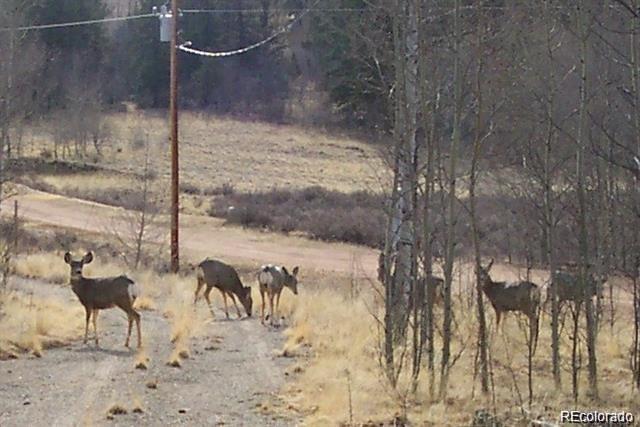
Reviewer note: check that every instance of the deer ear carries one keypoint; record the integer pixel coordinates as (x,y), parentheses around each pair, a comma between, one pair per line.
(67,257)
(489,265)
(295,270)
(284,270)
(88,257)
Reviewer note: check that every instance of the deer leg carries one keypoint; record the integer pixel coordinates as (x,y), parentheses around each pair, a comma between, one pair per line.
(233,298)
(271,308)
(198,288)
(226,308)
(95,325)
(262,313)
(497,319)
(278,305)
(86,323)
(206,296)
(130,318)
(136,317)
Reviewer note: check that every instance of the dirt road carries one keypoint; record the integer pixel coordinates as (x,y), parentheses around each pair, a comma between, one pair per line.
(231,375)
(202,236)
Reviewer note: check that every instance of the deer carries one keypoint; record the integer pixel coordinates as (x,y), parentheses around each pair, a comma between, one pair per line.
(434,284)
(102,293)
(522,296)
(435,289)
(214,273)
(271,280)
(569,287)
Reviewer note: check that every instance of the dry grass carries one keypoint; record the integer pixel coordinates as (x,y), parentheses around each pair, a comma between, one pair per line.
(45,266)
(95,182)
(142,360)
(138,407)
(116,409)
(33,324)
(50,266)
(345,341)
(186,321)
(216,151)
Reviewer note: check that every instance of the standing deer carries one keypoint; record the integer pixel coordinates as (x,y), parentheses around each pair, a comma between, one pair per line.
(519,296)
(435,288)
(272,279)
(217,274)
(569,287)
(434,285)
(101,293)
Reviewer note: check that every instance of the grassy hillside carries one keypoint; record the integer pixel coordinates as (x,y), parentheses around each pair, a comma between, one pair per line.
(250,156)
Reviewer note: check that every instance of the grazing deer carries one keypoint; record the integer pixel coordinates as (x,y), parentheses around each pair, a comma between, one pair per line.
(272,279)
(217,274)
(569,287)
(101,293)
(520,296)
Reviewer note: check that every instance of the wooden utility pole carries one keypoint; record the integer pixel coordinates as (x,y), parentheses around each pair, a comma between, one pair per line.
(173,112)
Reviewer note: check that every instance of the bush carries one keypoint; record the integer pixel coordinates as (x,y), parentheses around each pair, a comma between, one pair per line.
(323,214)
(225,189)
(189,188)
(249,216)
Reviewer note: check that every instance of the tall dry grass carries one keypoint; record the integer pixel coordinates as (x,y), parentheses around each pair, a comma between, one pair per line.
(32,324)
(338,341)
(50,266)
(341,335)
(186,320)
(218,150)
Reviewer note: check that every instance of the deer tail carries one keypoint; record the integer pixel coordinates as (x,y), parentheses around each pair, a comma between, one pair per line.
(133,289)
(264,275)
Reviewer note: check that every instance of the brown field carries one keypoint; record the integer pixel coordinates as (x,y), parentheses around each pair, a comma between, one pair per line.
(251,156)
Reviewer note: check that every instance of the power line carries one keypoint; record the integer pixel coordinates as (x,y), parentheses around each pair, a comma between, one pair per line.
(79,23)
(190,11)
(229,11)
(185,46)
(223,11)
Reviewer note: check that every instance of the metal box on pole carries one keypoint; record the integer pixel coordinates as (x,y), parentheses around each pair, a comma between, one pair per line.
(166,24)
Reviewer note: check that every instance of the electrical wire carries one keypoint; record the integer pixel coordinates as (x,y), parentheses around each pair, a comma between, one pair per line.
(79,23)
(223,11)
(185,46)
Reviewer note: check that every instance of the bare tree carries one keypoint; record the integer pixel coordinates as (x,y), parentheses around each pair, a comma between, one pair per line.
(452,200)
(135,229)
(584,263)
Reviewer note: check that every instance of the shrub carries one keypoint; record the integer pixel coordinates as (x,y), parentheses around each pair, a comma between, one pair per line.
(225,189)
(189,188)
(249,216)
(323,214)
